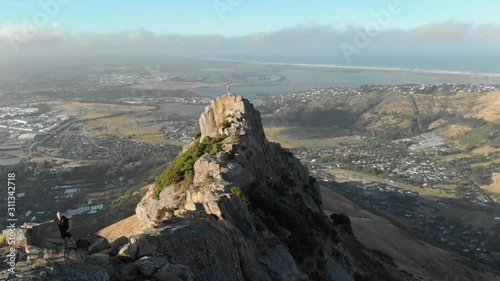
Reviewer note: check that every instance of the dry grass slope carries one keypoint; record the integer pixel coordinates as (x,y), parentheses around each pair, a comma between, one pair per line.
(495,186)
(124,227)
(454,130)
(485,150)
(487,107)
(414,256)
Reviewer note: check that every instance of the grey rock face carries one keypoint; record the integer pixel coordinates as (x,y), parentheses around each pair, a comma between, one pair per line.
(147,210)
(91,237)
(140,246)
(98,259)
(82,243)
(174,272)
(118,243)
(88,273)
(336,272)
(280,263)
(130,272)
(98,245)
(209,249)
(148,265)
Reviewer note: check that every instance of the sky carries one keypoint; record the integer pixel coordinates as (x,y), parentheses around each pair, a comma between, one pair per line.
(396,33)
(240,17)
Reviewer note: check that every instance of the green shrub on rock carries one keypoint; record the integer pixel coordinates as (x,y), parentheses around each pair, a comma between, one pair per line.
(181,168)
(242,195)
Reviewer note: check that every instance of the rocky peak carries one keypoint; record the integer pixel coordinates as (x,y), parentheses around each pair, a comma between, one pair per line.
(246,151)
(231,114)
(245,159)
(232,189)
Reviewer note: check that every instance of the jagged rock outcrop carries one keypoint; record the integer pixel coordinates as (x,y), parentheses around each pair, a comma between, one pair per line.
(147,210)
(249,211)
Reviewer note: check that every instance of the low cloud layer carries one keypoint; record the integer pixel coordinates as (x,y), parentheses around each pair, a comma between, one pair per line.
(459,38)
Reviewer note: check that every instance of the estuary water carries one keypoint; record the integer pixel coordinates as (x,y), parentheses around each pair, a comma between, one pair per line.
(302,79)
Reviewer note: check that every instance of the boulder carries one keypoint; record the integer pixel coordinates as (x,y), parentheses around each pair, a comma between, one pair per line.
(130,272)
(97,259)
(106,251)
(114,269)
(148,265)
(118,243)
(114,272)
(115,261)
(82,243)
(98,245)
(92,237)
(140,246)
(127,253)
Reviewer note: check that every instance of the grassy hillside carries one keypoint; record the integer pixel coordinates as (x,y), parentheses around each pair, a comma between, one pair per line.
(472,119)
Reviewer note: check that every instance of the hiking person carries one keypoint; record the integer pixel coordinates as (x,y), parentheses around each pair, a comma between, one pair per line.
(64,225)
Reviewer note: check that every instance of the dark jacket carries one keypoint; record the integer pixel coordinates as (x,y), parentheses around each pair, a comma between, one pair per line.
(63,224)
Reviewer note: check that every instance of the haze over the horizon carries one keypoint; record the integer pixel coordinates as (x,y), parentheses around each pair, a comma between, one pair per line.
(439,35)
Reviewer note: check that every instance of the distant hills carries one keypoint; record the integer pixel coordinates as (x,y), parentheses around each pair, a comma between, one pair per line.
(468,115)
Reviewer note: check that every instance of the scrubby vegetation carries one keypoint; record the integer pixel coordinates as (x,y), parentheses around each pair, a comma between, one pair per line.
(242,195)
(161,212)
(343,221)
(209,179)
(52,254)
(479,136)
(197,135)
(181,168)
(226,124)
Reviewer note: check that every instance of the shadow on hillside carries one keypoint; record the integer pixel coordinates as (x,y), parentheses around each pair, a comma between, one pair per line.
(464,227)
